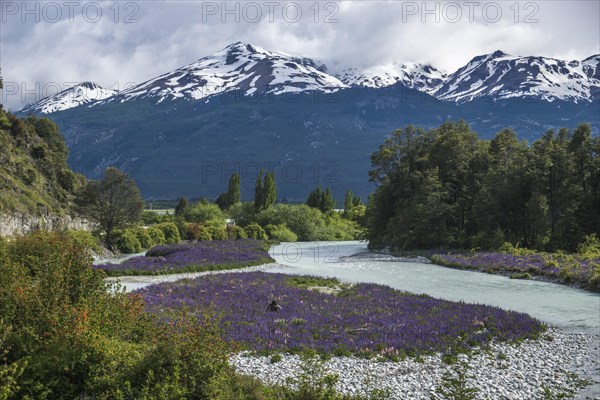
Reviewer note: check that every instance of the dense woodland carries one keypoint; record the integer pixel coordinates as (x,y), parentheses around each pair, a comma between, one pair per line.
(448,188)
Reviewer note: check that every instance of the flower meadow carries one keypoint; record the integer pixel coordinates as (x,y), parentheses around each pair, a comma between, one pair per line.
(363,319)
(193,257)
(569,269)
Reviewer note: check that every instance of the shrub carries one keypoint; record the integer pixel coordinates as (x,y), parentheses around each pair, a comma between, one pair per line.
(157,235)
(48,321)
(455,385)
(255,231)
(235,232)
(144,237)
(84,239)
(594,281)
(151,218)
(169,229)
(520,275)
(590,248)
(216,229)
(303,220)
(126,241)
(231,386)
(197,232)
(280,233)
(202,212)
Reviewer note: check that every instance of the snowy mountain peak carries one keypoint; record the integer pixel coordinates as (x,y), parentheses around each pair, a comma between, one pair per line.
(501,76)
(423,77)
(252,70)
(82,93)
(243,67)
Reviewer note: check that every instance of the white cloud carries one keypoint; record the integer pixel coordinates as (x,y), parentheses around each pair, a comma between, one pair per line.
(172,34)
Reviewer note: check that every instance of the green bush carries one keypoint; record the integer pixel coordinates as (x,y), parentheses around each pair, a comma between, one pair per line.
(202,212)
(144,237)
(84,239)
(231,386)
(235,232)
(151,218)
(590,248)
(169,229)
(255,231)
(157,235)
(280,233)
(216,229)
(126,241)
(303,220)
(197,232)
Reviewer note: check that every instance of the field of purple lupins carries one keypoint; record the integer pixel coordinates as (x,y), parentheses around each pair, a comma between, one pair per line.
(361,319)
(568,269)
(192,257)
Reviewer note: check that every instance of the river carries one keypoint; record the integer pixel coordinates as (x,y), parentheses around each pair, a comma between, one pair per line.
(558,305)
(555,304)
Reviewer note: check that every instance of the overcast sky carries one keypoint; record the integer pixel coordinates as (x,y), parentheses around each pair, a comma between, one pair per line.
(54,44)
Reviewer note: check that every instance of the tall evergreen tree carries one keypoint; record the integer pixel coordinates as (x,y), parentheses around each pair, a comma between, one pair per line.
(259,197)
(232,195)
(349,201)
(327,201)
(315,198)
(182,206)
(269,190)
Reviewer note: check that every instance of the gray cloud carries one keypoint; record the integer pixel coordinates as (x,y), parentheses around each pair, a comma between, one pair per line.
(169,34)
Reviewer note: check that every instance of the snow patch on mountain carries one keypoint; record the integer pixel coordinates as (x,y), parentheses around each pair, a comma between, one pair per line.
(83,93)
(503,76)
(418,76)
(243,67)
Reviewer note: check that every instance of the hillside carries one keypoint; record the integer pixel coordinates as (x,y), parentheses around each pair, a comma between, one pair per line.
(34,176)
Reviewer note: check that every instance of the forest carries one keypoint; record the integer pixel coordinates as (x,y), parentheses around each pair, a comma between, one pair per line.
(447,188)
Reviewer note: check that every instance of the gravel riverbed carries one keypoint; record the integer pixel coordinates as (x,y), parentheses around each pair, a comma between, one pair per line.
(560,362)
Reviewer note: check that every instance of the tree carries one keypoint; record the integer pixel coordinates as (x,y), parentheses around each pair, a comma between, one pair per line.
(323,200)
(348,201)
(113,202)
(182,207)
(327,201)
(259,192)
(265,192)
(232,195)
(269,190)
(315,197)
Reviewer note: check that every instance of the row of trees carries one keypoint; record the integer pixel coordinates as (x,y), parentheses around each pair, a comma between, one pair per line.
(447,187)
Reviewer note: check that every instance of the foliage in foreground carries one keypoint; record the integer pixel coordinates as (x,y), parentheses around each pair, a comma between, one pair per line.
(64,334)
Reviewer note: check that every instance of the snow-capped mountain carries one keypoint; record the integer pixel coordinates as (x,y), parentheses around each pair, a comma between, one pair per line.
(423,77)
(242,67)
(251,70)
(502,76)
(83,93)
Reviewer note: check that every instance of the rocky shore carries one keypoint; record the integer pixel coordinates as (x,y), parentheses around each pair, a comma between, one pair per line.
(561,363)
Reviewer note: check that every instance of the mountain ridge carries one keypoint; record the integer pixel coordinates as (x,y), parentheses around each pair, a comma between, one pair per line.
(252,70)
